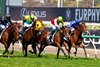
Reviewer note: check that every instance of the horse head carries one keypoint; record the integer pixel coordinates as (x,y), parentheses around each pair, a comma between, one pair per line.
(38,25)
(82,27)
(15,27)
(66,32)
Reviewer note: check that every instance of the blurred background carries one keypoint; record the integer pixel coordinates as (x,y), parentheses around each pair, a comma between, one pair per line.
(63,3)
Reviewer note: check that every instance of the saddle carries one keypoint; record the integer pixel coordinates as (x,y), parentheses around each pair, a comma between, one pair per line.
(22,31)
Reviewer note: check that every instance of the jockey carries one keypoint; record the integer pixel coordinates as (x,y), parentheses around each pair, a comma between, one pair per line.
(5,21)
(74,24)
(28,20)
(57,23)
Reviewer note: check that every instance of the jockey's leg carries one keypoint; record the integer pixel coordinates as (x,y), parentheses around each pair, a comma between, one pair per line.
(72,30)
(22,31)
(53,28)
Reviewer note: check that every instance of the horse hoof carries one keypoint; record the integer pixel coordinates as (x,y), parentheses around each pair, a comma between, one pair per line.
(31,51)
(39,56)
(25,55)
(88,55)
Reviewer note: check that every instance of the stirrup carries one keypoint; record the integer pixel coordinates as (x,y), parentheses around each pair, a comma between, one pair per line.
(66,39)
(20,35)
(50,38)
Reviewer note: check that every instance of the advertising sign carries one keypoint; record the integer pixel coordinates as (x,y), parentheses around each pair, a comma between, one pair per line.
(47,14)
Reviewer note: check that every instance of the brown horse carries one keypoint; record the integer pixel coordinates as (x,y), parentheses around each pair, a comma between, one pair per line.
(31,36)
(57,40)
(16,36)
(76,38)
(8,35)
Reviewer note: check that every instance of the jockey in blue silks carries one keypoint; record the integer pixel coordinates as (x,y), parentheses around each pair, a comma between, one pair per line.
(74,24)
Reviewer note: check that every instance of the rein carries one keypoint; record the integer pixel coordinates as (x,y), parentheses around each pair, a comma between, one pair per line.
(32,32)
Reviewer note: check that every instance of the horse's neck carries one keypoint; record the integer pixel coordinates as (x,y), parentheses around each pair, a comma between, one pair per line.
(59,33)
(78,32)
(9,28)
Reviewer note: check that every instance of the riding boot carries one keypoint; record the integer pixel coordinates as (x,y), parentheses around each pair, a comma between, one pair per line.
(51,35)
(21,32)
(72,30)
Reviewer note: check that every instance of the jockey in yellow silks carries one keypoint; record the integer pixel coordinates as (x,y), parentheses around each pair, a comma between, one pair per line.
(28,20)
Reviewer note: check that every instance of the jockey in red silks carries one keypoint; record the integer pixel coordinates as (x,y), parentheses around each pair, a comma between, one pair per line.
(56,24)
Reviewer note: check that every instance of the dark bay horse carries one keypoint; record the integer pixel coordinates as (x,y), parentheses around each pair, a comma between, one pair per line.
(76,38)
(7,35)
(31,36)
(57,40)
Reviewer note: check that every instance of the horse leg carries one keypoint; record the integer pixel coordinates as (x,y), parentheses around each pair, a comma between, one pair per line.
(82,46)
(58,44)
(41,49)
(12,48)
(75,52)
(20,45)
(6,49)
(58,53)
(69,50)
(33,48)
(25,50)
(66,46)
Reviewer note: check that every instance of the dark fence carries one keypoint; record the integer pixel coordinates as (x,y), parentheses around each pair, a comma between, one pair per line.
(46,14)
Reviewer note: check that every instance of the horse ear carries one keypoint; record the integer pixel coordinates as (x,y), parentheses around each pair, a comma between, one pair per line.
(41,22)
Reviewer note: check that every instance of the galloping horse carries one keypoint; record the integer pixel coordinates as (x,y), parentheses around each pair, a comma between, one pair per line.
(16,36)
(57,40)
(76,38)
(31,36)
(7,35)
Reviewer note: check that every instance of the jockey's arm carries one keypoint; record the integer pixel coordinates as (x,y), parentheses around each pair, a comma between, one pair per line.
(55,22)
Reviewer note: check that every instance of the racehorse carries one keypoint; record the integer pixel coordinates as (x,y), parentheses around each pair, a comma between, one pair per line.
(57,40)
(76,38)
(16,36)
(31,36)
(7,35)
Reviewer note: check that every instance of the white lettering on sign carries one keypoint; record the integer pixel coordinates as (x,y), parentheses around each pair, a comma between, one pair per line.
(37,13)
(87,14)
